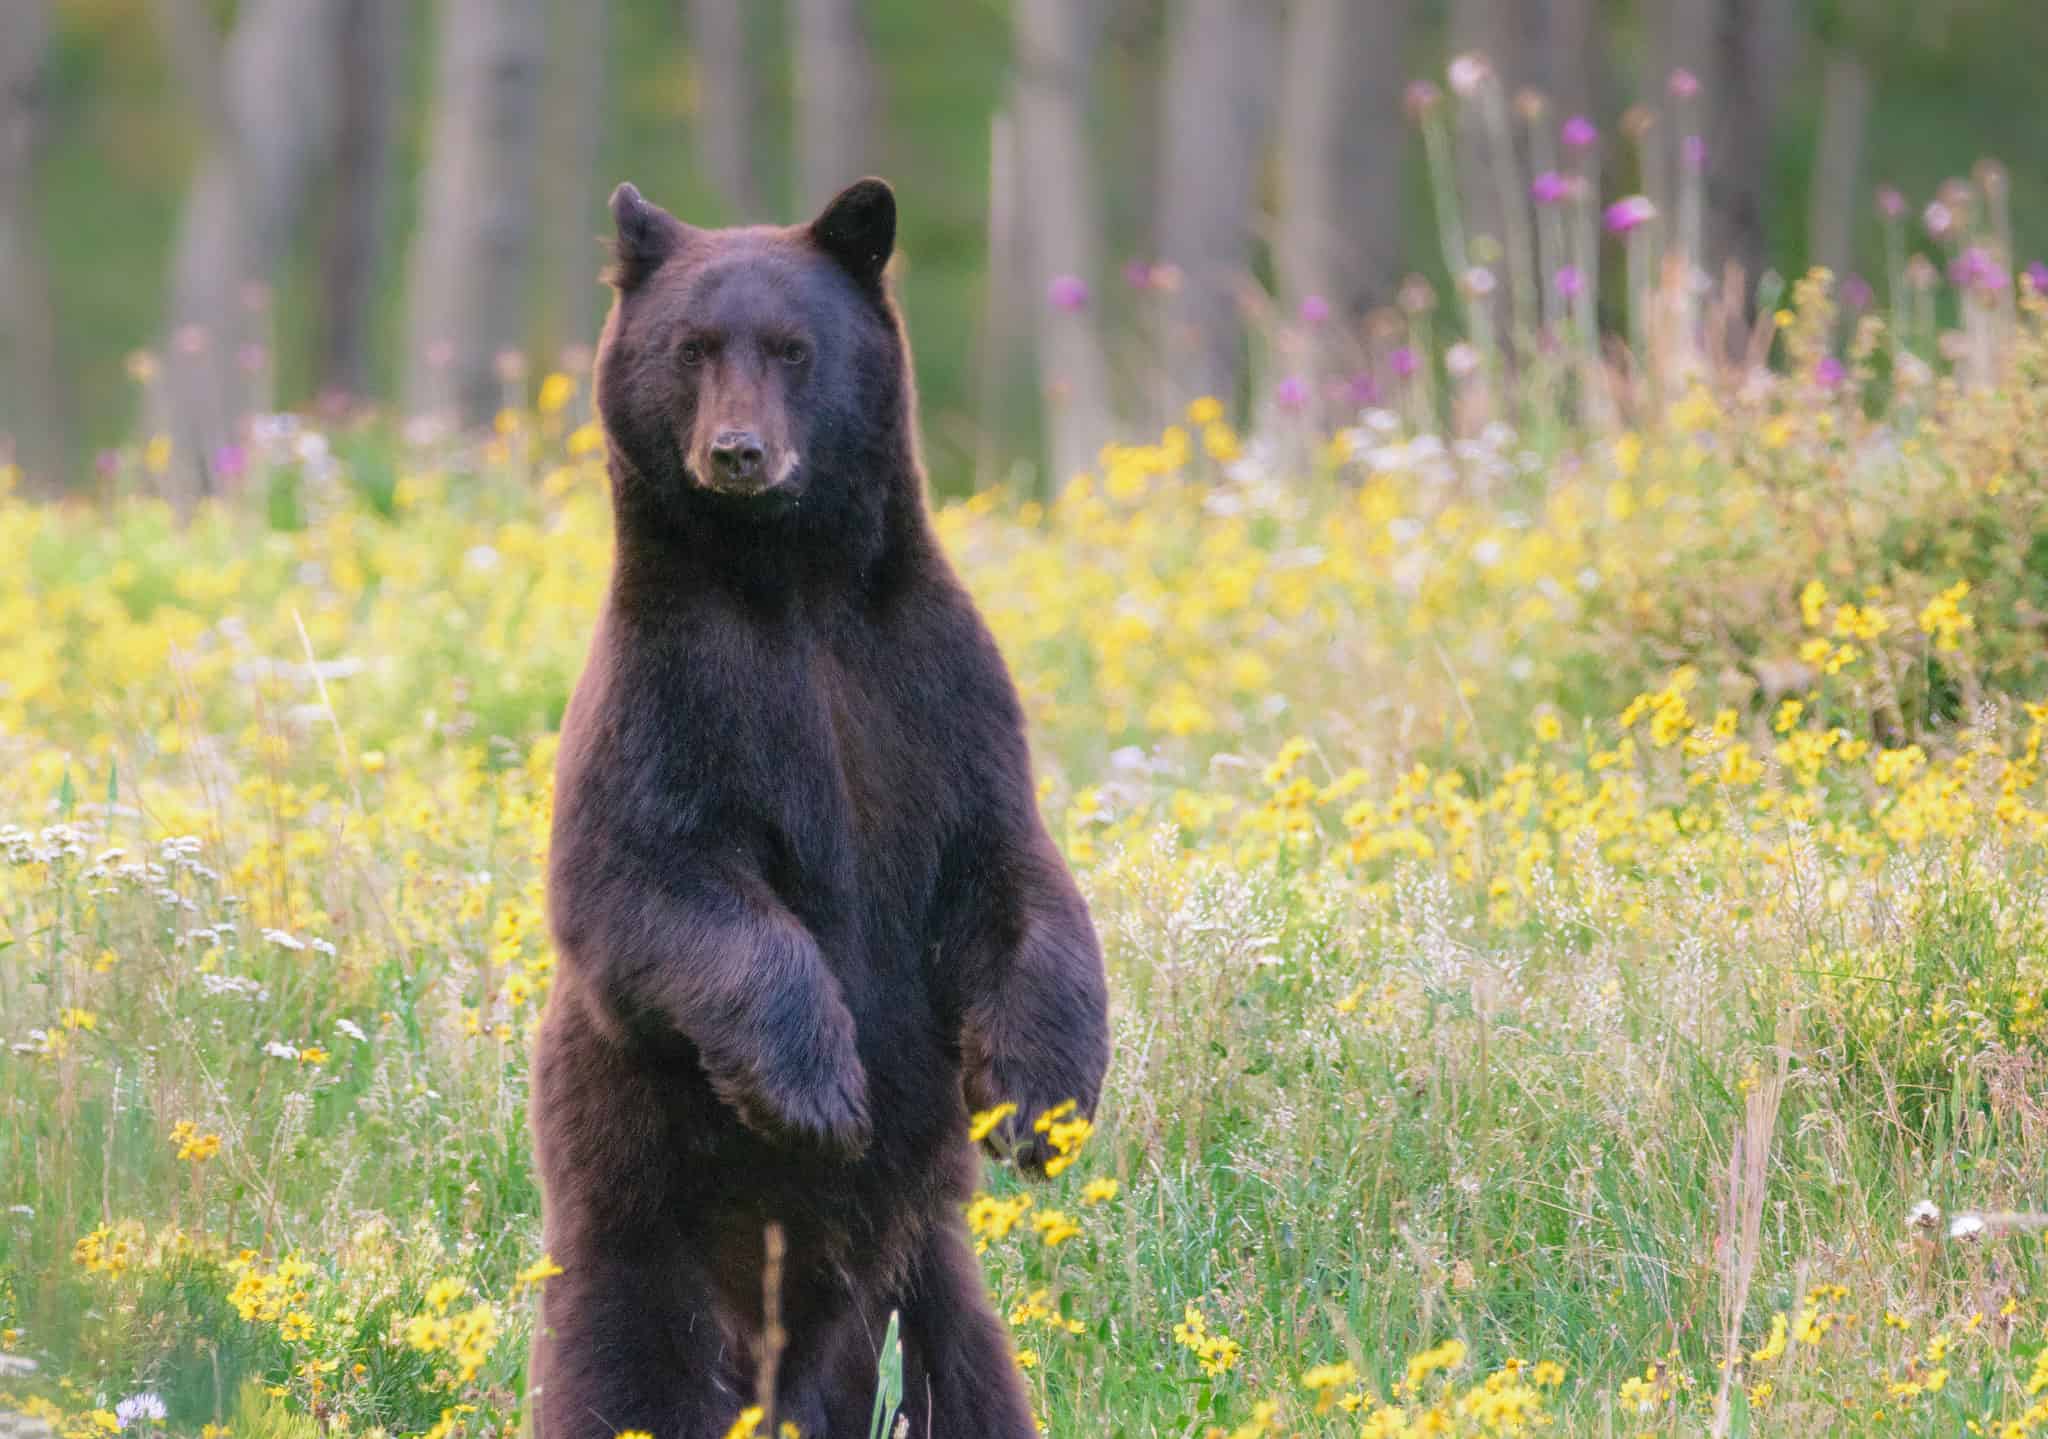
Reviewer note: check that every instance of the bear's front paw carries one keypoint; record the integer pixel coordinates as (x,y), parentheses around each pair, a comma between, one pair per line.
(829,1109)
(1038,1126)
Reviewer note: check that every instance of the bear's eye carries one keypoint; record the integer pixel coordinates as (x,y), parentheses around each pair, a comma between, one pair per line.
(795,352)
(693,352)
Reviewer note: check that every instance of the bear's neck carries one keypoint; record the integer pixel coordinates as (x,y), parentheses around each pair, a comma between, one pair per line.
(768,557)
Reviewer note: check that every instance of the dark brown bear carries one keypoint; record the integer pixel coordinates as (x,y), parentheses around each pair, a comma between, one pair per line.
(807,912)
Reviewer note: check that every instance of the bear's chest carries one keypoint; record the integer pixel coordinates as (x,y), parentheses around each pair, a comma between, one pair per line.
(901,779)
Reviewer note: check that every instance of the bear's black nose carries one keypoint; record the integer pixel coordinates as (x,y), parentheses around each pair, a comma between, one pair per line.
(736,455)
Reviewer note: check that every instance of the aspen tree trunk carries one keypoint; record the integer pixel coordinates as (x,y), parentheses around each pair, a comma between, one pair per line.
(1055,43)
(572,186)
(1571,56)
(267,102)
(836,97)
(728,105)
(470,260)
(1838,158)
(33,404)
(1742,53)
(1218,104)
(367,57)
(1342,139)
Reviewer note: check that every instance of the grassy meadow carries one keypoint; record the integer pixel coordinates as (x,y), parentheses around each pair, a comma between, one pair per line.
(1576,899)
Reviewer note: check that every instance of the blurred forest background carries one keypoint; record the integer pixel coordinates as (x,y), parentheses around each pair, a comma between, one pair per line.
(260,204)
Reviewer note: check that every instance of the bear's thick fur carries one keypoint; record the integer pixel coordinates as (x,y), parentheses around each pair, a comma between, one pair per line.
(808,914)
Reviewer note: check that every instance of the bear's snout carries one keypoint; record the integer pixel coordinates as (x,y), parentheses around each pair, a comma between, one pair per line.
(736,457)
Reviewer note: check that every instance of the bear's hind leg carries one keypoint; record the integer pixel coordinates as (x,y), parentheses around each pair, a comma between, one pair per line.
(960,1380)
(629,1338)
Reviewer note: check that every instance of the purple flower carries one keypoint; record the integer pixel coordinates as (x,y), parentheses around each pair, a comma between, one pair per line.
(145,1408)
(1579,133)
(1570,281)
(1549,187)
(1683,84)
(1420,98)
(1692,150)
(1939,219)
(1977,269)
(2037,276)
(1829,372)
(1404,362)
(1361,390)
(106,462)
(1314,309)
(229,462)
(1627,214)
(1068,292)
(1856,293)
(1138,274)
(1291,393)
(1890,203)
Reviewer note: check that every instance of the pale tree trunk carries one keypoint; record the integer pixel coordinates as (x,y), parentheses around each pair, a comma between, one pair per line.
(368,56)
(1055,42)
(1130,132)
(1218,105)
(1838,158)
(267,99)
(1341,148)
(1549,47)
(728,107)
(836,99)
(1747,41)
(1003,313)
(1571,56)
(33,403)
(572,187)
(1742,52)
(470,260)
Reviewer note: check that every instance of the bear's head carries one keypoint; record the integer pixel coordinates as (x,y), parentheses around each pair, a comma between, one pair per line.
(758,378)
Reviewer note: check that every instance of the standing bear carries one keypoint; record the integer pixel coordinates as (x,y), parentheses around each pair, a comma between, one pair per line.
(808,914)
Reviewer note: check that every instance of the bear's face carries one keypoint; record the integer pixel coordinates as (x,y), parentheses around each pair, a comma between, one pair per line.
(754,370)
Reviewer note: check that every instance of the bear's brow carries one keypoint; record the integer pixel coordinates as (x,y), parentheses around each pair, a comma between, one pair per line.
(748,294)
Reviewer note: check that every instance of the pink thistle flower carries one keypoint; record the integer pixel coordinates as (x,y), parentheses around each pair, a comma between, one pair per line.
(1548,188)
(1628,214)
(1068,292)
(1890,203)
(1570,281)
(1683,85)
(1314,310)
(1404,361)
(1579,133)
(1291,394)
(1977,269)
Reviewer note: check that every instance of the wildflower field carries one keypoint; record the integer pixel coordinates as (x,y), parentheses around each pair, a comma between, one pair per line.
(1576,899)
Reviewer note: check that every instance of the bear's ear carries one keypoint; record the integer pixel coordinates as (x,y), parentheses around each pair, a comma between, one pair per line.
(647,235)
(858,229)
